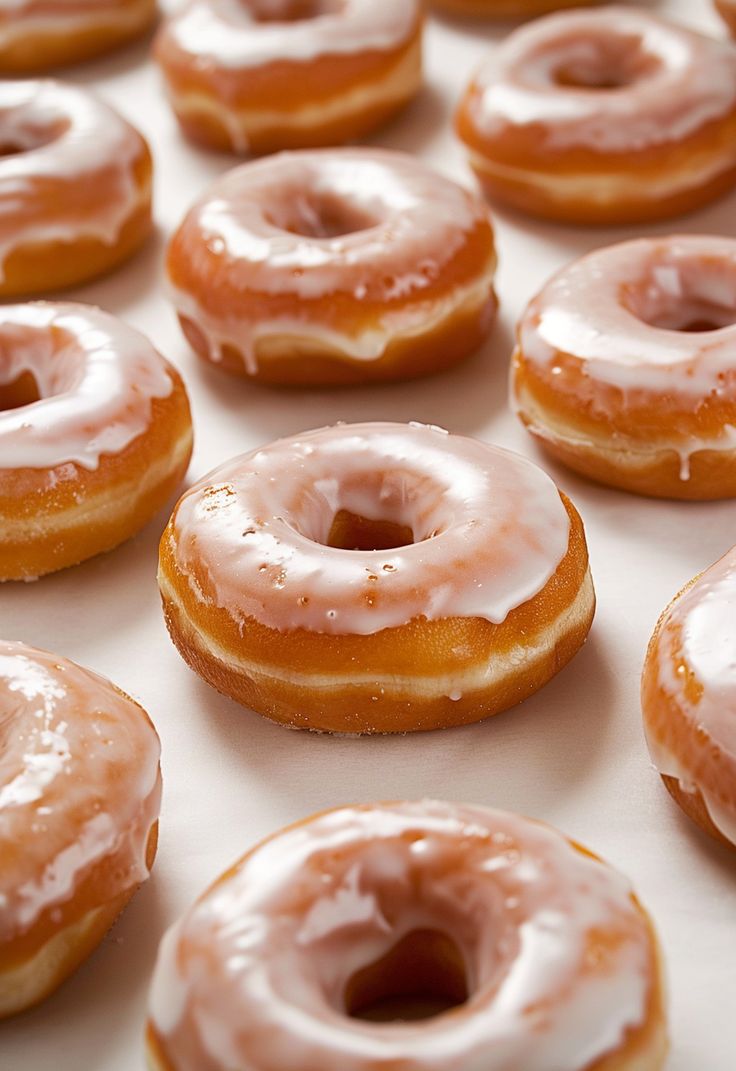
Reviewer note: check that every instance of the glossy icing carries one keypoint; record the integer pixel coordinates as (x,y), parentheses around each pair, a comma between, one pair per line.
(490,530)
(621,313)
(96,376)
(79,786)
(69,168)
(375,227)
(254,975)
(660,82)
(696,667)
(239,34)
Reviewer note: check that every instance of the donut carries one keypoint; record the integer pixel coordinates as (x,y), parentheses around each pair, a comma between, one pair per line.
(322,946)
(727,10)
(95,434)
(688,697)
(507,9)
(36,35)
(624,366)
(335,266)
(603,117)
(376,578)
(75,187)
(256,76)
(80,788)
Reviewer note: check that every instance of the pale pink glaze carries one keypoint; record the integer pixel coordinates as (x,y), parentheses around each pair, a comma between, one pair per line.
(265,229)
(254,975)
(697,639)
(489,527)
(620,312)
(240,34)
(671,82)
(79,786)
(68,149)
(97,378)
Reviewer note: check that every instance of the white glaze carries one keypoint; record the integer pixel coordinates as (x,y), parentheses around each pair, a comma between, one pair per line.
(79,784)
(490,530)
(592,311)
(412,223)
(254,975)
(692,82)
(228,34)
(65,137)
(698,639)
(96,376)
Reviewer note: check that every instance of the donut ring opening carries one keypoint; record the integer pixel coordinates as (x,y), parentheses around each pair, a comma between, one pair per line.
(264,11)
(689,294)
(594,61)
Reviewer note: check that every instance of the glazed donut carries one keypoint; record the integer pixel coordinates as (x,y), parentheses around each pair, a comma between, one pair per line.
(507,9)
(376,578)
(95,434)
(689,699)
(260,75)
(612,116)
(75,187)
(36,35)
(334,266)
(541,950)
(79,799)
(727,10)
(624,368)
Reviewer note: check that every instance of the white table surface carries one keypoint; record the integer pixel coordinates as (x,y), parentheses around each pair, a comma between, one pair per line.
(573,754)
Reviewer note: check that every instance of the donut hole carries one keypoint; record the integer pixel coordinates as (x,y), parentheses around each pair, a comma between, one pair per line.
(15,140)
(605,64)
(321,215)
(687,296)
(350,531)
(422,976)
(292,10)
(23,390)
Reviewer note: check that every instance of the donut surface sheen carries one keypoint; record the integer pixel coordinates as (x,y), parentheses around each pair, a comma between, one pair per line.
(80,788)
(261,75)
(334,266)
(36,35)
(376,578)
(75,187)
(543,952)
(604,117)
(625,367)
(95,434)
(689,699)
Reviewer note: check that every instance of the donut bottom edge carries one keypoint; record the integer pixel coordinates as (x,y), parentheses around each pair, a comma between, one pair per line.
(382,705)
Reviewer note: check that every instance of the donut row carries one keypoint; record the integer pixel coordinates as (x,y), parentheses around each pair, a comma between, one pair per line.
(597,117)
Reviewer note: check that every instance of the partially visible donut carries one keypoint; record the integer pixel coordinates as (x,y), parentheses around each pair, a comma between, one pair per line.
(95,434)
(80,790)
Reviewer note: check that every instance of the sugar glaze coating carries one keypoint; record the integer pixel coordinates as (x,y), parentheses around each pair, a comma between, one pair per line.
(692,660)
(560,961)
(490,530)
(96,376)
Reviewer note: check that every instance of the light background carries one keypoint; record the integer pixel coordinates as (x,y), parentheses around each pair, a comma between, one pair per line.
(573,755)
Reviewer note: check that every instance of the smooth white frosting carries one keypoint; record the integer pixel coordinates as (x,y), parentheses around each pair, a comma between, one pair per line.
(254,975)
(229,33)
(678,82)
(71,151)
(695,658)
(408,224)
(616,314)
(490,529)
(97,378)
(79,784)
